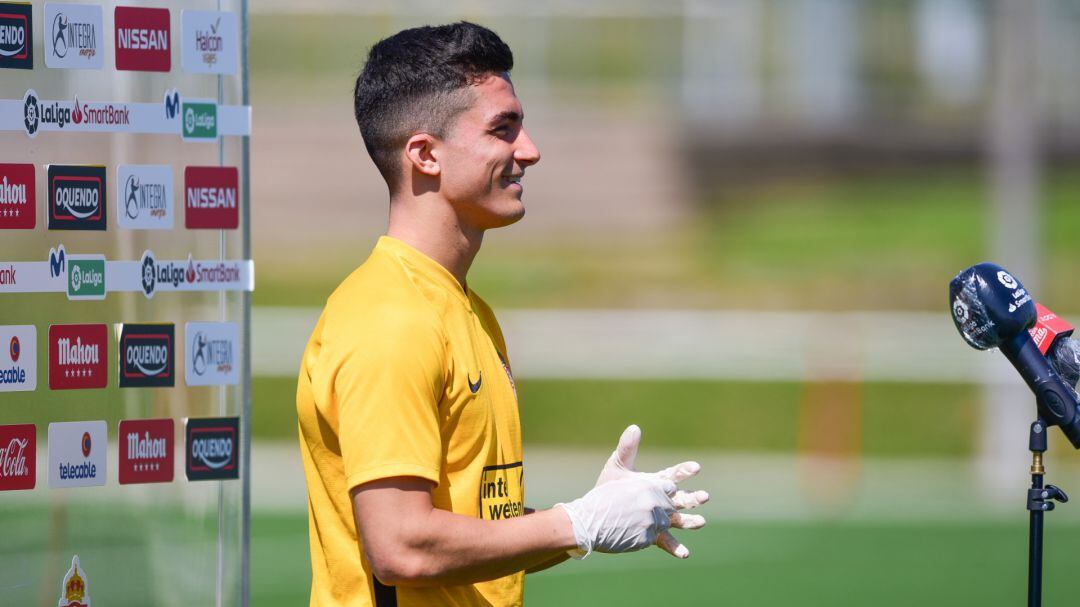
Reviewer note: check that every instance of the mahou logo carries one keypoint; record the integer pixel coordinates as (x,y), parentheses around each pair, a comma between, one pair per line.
(147,356)
(142,39)
(18,457)
(18,197)
(76,197)
(78,357)
(211,198)
(146,451)
(16,36)
(212,446)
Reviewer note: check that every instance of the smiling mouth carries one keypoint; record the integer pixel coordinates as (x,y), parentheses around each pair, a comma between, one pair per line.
(512,179)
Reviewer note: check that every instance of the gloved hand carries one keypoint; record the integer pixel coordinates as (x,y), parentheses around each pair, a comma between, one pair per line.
(621,516)
(621,466)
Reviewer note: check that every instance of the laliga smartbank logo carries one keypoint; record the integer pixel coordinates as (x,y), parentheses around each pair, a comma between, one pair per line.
(57,115)
(190,275)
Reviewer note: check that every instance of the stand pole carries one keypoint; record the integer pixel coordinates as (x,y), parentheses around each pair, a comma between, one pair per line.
(1040,500)
(1035,534)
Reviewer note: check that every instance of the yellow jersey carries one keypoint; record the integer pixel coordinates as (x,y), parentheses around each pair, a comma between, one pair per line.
(406,374)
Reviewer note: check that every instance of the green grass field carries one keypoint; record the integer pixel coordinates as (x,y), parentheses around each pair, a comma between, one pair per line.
(827,564)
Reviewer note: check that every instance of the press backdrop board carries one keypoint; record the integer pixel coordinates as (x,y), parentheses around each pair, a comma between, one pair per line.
(125,280)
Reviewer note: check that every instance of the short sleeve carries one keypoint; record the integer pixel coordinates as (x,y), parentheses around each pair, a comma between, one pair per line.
(390,376)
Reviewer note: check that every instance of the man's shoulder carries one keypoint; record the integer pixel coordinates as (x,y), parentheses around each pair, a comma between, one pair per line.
(379,296)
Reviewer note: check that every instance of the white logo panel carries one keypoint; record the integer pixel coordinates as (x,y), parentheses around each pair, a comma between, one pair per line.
(210,42)
(144,196)
(74,36)
(212,353)
(78,454)
(18,358)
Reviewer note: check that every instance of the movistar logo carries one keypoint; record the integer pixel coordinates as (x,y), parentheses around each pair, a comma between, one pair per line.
(475,387)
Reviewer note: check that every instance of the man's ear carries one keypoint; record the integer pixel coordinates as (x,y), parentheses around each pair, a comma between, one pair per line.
(420,150)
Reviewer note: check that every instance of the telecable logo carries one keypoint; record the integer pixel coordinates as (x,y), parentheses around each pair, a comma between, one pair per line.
(77,454)
(18,358)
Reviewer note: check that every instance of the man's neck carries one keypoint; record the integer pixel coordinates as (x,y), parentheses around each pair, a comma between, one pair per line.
(434,230)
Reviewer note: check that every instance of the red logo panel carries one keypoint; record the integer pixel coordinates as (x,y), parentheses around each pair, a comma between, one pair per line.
(146,451)
(18,457)
(211,198)
(78,357)
(18,197)
(142,39)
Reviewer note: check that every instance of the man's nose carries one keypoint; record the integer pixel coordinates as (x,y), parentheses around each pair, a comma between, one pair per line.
(526,153)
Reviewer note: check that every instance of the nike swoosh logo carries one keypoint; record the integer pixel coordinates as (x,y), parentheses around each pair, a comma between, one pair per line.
(476,387)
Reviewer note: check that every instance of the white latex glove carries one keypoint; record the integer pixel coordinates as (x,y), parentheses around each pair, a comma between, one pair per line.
(621,466)
(621,516)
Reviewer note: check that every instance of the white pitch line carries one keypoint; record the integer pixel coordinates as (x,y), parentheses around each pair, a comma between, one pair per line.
(697,344)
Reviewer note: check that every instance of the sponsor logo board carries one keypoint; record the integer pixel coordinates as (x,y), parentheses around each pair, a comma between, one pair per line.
(142,39)
(144,197)
(147,356)
(77,454)
(74,36)
(78,356)
(146,451)
(75,589)
(77,197)
(212,448)
(199,120)
(18,457)
(211,353)
(18,358)
(211,198)
(86,277)
(210,42)
(189,275)
(18,196)
(16,36)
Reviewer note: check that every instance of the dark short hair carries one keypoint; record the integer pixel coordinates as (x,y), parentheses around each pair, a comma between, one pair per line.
(416,81)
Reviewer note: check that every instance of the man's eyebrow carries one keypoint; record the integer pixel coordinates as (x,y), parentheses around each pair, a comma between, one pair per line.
(509,115)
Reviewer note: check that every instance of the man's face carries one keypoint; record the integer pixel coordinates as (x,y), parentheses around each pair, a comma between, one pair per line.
(485,155)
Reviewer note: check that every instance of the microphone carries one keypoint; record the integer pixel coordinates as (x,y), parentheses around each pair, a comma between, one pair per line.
(991,309)
(1052,334)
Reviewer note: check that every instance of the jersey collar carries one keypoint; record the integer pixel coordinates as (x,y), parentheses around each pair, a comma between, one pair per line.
(431,269)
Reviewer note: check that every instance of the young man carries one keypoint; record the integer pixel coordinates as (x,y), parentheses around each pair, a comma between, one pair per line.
(408,415)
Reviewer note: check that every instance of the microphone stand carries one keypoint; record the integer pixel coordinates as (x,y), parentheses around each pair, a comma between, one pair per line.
(1040,499)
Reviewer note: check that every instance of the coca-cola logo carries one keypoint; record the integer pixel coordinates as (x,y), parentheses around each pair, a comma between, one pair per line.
(18,457)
